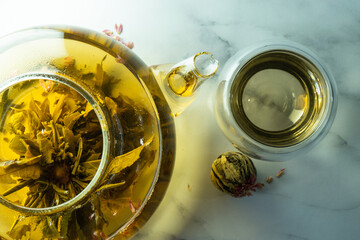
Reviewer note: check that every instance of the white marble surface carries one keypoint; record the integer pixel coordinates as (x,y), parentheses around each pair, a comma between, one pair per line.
(318,197)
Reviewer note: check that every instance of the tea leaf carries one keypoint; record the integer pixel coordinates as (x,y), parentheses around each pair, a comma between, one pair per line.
(17,187)
(100,220)
(64,222)
(110,186)
(55,134)
(56,199)
(71,190)
(99,75)
(88,169)
(49,229)
(19,231)
(72,103)
(88,109)
(46,149)
(18,145)
(59,190)
(111,105)
(28,161)
(29,172)
(70,119)
(32,148)
(45,111)
(34,121)
(34,107)
(58,108)
(112,203)
(79,183)
(69,139)
(78,157)
(11,166)
(126,160)
(17,122)
(93,157)
(38,199)
(49,196)
(91,163)
(7,179)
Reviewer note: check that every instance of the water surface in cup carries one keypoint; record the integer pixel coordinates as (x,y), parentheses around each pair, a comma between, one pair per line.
(278,97)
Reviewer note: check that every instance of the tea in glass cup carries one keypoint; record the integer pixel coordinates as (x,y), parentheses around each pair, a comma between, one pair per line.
(275,100)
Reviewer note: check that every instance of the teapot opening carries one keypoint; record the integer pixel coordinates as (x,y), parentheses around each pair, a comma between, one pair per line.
(55,144)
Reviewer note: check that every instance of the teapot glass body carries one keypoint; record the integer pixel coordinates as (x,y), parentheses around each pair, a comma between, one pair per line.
(97,133)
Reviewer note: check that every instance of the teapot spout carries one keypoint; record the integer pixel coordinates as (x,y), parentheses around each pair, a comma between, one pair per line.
(180,82)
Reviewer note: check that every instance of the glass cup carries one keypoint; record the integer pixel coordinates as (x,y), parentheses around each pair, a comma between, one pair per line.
(275,100)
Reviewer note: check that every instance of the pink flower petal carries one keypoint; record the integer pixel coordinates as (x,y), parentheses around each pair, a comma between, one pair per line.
(108,32)
(269,179)
(119,59)
(132,207)
(280,173)
(119,28)
(130,45)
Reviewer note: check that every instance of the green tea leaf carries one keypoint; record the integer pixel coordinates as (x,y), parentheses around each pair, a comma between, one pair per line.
(85,219)
(70,119)
(32,148)
(45,111)
(17,187)
(49,229)
(7,179)
(58,108)
(111,105)
(17,122)
(11,166)
(18,145)
(64,222)
(110,186)
(80,183)
(94,156)
(88,169)
(99,75)
(88,109)
(78,156)
(55,134)
(91,163)
(70,139)
(59,190)
(28,161)
(72,103)
(99,217)
(46,149)
(126,160)
(35,108)
(34,121)
(29,172)
(111,203)
(19,231)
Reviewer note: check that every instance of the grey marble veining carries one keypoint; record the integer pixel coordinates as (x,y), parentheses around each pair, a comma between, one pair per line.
(318,196)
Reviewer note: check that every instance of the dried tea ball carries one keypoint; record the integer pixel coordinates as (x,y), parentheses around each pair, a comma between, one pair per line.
(235,174)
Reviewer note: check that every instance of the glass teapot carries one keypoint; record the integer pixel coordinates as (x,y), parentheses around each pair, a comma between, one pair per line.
(87,133)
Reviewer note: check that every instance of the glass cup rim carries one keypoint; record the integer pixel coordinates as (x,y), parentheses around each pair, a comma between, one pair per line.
(234,66)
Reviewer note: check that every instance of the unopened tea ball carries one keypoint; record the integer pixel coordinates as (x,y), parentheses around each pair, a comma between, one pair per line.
(235,174)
